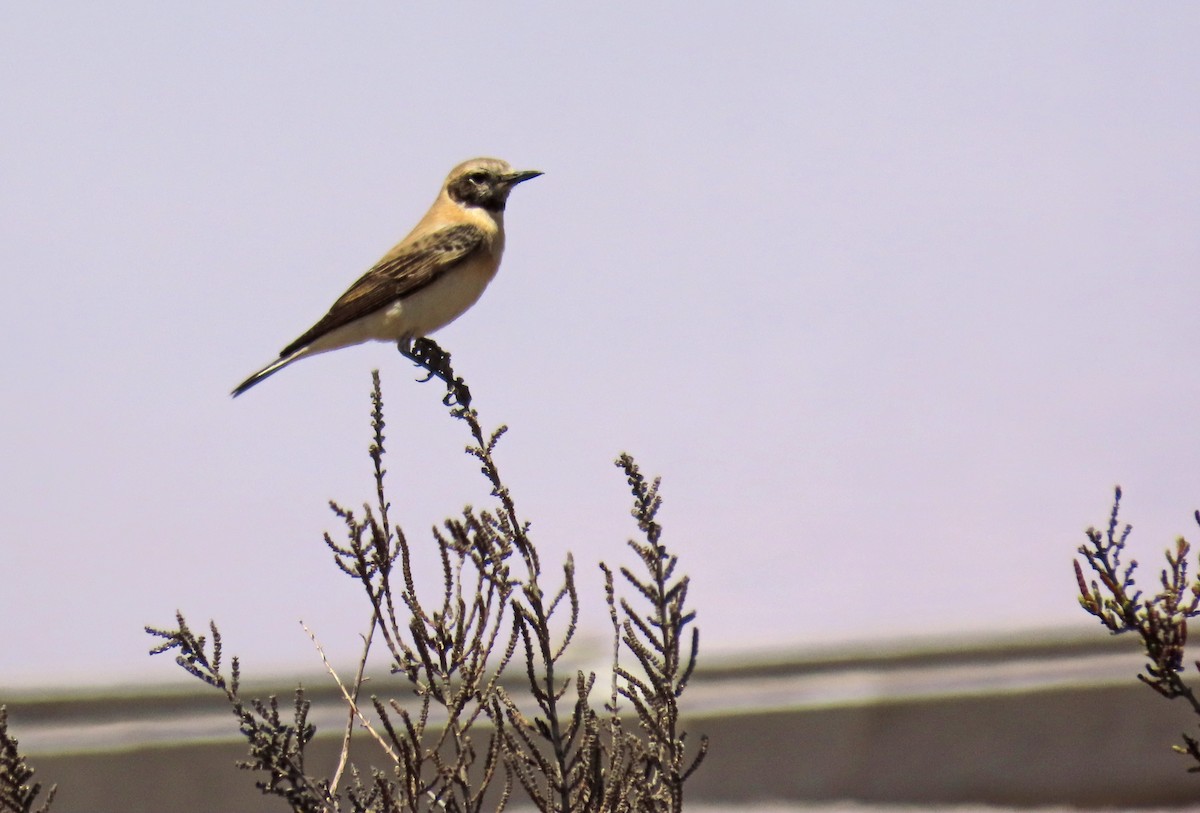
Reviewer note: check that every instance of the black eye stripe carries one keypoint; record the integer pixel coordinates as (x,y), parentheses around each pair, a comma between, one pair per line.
(479,187)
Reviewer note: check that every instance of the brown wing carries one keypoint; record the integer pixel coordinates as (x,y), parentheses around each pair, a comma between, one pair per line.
(416,266)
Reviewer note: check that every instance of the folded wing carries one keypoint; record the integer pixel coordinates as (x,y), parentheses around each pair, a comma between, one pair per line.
(402,272)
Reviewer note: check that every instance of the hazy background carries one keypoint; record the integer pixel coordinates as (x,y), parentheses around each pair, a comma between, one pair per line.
(891,294)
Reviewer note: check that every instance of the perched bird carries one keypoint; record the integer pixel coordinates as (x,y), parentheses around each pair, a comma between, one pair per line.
(429,279)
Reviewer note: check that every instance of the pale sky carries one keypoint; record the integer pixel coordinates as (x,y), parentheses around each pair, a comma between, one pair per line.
(890,294)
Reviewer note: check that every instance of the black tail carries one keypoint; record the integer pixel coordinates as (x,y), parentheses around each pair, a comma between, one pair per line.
(265,372)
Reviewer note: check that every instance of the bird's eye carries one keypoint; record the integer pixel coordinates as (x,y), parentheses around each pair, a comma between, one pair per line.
(478,177)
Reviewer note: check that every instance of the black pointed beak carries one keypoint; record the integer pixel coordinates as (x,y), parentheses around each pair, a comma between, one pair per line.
(514,178)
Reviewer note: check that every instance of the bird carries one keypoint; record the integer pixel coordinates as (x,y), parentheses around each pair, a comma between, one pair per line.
(429,278)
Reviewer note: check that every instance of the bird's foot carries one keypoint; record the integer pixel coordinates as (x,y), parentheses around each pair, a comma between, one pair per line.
(426,354)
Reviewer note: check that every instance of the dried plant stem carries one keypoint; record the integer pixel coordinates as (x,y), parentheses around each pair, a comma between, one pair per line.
(349,698)
(1160,620)
(18,793)
(344,757)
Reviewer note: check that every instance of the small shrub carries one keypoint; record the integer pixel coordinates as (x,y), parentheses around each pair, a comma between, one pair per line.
(472,736)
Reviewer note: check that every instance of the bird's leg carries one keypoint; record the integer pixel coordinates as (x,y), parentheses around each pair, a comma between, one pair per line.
(426,354)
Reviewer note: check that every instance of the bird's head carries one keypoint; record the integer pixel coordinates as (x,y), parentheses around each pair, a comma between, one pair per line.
(484,182)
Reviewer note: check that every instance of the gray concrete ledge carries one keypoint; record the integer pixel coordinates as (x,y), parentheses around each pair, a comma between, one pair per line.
(1028,721)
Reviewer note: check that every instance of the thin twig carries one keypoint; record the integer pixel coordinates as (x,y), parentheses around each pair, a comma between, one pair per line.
(349,699)
(344,758)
